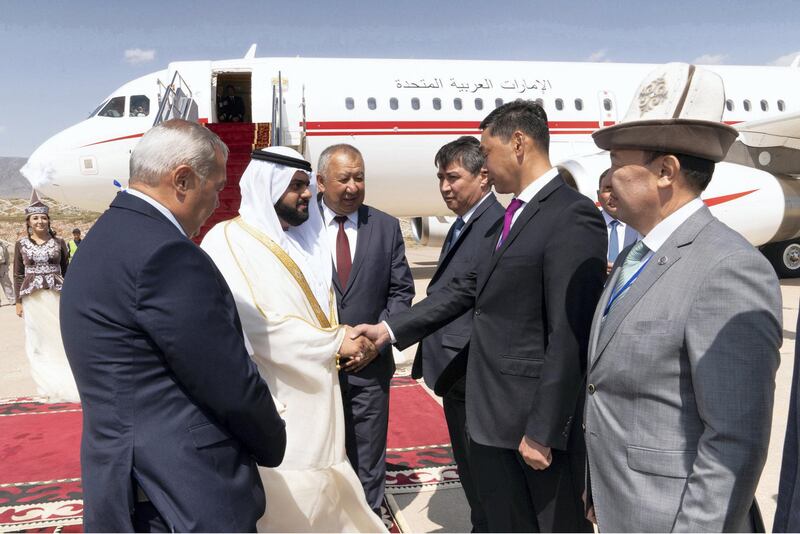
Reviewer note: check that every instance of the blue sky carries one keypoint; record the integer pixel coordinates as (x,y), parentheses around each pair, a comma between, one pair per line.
(60,58)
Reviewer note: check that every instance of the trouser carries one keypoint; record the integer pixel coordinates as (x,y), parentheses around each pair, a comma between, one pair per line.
(366,415)
(518,498)
(455,414)
(8,287)
(147,519)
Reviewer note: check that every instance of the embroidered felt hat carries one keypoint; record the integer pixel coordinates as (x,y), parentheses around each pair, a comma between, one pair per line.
(677,109)
(36,206)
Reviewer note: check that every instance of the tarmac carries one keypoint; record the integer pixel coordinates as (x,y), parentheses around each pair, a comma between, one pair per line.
(445,509)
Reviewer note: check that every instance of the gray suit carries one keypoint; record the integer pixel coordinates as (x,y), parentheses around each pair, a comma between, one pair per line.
(680,385)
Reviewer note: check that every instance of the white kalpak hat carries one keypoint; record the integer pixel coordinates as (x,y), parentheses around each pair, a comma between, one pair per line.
(677,109)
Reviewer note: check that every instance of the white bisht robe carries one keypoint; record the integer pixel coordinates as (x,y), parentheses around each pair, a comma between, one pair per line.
(293,340)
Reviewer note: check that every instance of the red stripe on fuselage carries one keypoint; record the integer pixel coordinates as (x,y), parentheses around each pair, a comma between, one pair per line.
(727,198)
(134,136)
(428,125)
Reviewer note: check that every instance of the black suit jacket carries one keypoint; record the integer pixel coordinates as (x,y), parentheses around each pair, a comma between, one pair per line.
(170,396)
(379,286)
(787,512)
(533,302)
(441,357)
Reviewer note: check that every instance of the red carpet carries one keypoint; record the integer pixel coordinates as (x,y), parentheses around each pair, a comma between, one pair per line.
(418,454)
(39,466)
(40,488)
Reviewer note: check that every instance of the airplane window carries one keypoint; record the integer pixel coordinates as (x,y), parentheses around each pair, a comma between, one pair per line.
(607,104)
(579,104)
(457,103)
(729,104)
(781,105)
(140,106)
(371,104)
(478,103)
(97,109)
(114,108)
(437,103)
(746,105)
(415,103)
(764,105)
(349,103)
(498,102)
(393,103)
(559,104)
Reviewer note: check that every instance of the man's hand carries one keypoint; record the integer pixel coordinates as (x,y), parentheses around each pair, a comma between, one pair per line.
(376,333)
(609,266)
(535,455)
(19,309)
(356,351)
(589,509)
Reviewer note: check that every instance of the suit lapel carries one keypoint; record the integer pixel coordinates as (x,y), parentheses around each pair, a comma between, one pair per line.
(529,210)
(663,258)
(444,259)
(364,233)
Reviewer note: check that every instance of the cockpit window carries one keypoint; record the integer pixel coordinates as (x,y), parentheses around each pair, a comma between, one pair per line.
(140,106)
(98,108)
(114,108)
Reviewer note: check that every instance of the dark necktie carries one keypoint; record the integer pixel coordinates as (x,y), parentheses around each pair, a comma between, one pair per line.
(512,208)
(456,230)
(343,261)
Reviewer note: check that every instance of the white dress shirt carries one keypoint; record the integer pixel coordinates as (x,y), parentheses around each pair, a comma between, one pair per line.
(332,229)
(527,194)
(661,232)
(468,215)
(157,205)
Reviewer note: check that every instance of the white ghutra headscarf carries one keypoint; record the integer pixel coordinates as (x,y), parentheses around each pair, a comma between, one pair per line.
(262,185)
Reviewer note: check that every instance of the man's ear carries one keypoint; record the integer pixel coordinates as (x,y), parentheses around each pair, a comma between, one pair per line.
(518,142)
(320,183)
(670,169)
(183,179)
(486,182)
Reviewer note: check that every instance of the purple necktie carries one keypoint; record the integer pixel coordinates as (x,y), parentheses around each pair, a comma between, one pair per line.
(512,208)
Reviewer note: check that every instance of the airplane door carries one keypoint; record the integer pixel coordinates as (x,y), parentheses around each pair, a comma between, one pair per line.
(608,108)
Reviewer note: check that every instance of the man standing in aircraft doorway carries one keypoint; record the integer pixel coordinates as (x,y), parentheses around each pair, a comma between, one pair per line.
(372,281)
(539,277)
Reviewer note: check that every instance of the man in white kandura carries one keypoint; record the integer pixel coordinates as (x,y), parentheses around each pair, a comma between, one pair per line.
(276,260)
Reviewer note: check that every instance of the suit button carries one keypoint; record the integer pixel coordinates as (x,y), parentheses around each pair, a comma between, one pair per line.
(591,389)
(478,311)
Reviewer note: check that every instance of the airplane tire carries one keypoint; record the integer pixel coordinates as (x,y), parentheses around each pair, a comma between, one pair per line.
(784,257)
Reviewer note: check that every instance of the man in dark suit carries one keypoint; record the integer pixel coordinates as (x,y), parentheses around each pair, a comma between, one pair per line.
(176,415)
(533,292)
(441,357)
(372,281)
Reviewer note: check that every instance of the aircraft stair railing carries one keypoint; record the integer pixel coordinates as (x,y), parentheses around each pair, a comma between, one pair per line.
(177,101)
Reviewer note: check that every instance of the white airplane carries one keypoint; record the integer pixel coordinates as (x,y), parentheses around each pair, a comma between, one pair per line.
(399,112)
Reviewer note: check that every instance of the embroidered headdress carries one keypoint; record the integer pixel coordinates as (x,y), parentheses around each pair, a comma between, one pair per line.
(36,206)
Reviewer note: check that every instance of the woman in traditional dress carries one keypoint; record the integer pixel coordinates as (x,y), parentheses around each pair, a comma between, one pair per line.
(40,261)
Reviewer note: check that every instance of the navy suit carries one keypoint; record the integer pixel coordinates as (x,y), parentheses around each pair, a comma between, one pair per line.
(441,357)
(380,285)
(533,300)
(172,404)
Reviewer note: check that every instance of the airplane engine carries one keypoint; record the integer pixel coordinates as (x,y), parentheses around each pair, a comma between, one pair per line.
(763,207)
(430,231)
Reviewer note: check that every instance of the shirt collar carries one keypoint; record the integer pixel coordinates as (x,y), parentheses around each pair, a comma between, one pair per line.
(157,205)
(608,218)
(537,185)
(466,217)
(661,232)
(328,215)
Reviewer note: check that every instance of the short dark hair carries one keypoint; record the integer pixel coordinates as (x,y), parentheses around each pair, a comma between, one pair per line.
(698,171)
(465,150)
(524,115)
(76,230)
(602,175)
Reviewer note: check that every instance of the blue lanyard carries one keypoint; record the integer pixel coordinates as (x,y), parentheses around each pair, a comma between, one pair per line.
(616,295)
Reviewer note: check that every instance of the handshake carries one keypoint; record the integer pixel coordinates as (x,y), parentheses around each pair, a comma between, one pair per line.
(361,345)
